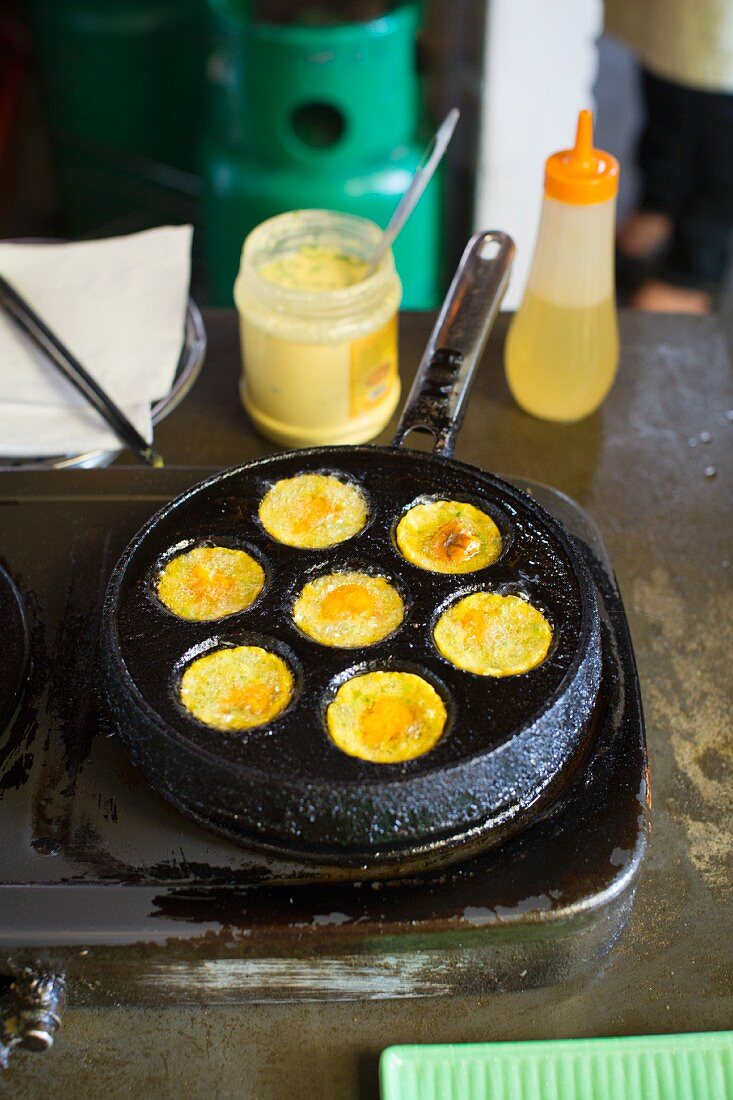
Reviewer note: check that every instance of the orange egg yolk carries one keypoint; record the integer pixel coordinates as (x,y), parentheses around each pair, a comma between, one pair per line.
(211,585)
(310,510)
(474,624)
(386,720)
(347,600)
(454,542)
(254,698)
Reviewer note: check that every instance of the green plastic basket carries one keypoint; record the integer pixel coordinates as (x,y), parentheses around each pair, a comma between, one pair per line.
(637,1067)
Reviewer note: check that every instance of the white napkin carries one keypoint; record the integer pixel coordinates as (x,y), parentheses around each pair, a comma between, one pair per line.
(119,305)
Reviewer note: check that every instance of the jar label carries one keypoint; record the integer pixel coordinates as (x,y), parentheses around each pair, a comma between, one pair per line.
(373,369)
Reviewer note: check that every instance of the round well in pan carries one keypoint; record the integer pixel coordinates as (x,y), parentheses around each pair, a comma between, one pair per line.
(348,608)
(236,688)
(493,634)
(205,583)
(313,510)
(448,536)
(386,717)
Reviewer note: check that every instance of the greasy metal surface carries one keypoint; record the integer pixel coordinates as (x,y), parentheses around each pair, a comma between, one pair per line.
(537,911)
(287,786)
(74,813)
(667,527)
(16,646)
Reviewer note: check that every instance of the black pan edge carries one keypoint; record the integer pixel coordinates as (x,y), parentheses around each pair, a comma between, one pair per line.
(332,840)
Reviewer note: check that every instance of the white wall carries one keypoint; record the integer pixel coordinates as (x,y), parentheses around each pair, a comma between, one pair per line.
(539,69)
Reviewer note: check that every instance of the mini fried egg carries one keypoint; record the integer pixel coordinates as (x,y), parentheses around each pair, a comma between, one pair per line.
(493,635)
(348,609)
(238,688)
(447,536)
(313,510)
(386,717)
(210,582)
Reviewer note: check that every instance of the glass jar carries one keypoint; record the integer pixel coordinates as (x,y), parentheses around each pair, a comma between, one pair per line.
(319,366)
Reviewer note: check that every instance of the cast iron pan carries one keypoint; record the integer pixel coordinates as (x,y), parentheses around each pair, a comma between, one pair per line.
(510,744)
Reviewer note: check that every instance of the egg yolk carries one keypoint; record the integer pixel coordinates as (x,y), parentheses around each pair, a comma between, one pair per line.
(454,542)
(310,510)
(386,720)
(347,600)
(474,624)
(210,583)
(254,698)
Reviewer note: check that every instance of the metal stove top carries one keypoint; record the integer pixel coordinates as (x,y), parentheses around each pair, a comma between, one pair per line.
(102,879)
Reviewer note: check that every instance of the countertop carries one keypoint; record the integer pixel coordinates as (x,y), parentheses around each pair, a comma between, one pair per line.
(653,468)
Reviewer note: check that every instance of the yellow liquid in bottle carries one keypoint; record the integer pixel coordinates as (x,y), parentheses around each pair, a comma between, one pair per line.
(561,361)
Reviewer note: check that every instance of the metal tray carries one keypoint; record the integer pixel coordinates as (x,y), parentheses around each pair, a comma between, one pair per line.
(104,880)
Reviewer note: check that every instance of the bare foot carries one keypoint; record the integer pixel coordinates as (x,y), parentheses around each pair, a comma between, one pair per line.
(658,297)
(642,234)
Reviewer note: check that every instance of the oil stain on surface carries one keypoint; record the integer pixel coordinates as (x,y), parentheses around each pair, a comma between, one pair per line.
(699,731)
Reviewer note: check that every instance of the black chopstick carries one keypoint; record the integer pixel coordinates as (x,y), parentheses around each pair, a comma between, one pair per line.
(31,324)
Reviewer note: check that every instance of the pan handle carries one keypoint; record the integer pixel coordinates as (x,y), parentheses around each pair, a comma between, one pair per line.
(436,403)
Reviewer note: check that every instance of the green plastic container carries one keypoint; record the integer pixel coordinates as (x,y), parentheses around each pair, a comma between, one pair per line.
(315,117)
(648,1067)
(122,84)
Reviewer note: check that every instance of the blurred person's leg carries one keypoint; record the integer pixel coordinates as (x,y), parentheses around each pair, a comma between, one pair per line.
(701,244)
(695,266)
(665,154)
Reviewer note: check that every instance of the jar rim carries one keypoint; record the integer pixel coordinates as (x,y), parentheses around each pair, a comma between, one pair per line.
(311,223)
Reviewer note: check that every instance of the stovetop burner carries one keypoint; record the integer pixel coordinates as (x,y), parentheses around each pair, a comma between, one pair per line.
(79,822)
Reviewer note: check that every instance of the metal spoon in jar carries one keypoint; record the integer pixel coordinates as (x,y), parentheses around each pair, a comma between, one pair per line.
(424,172)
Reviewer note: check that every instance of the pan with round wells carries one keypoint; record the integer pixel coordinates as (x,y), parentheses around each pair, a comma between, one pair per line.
(373,659)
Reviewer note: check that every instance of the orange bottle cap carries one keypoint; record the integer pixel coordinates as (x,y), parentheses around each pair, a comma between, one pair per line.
(582,175)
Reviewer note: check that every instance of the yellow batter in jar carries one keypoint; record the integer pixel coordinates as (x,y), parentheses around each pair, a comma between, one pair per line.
(319,339)
(315,268)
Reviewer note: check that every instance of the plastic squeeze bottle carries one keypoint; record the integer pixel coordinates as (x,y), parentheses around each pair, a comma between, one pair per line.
(561,353)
